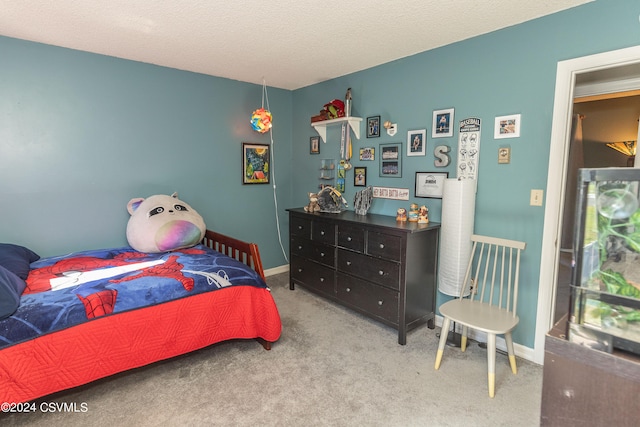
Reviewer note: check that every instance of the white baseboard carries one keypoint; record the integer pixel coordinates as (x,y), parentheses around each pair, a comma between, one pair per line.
(276,270)
(520,350)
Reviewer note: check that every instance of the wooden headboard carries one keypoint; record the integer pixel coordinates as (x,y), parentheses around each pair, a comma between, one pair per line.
(246,253)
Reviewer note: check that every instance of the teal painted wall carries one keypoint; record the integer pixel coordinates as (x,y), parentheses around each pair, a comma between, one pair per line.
(82,134)
(511,71)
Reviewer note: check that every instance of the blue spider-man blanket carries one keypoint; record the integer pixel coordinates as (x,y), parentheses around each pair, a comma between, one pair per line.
(65,291)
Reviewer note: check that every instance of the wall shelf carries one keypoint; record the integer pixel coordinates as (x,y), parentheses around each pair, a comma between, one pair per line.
(321,127)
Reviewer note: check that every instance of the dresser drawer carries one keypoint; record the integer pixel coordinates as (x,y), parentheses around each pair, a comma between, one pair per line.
(324,254)
(324,232)
(300,246)
(376,300)
(318,252)
(313,275)
(384,245)
(380,271)
(300,226)
(351,237)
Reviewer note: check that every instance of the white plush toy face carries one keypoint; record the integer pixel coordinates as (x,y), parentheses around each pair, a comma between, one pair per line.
(163,223)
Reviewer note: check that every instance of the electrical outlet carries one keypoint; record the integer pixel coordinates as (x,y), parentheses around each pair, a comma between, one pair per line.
(536,198)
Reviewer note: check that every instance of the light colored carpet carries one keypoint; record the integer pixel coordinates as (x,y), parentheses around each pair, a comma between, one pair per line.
(331,367)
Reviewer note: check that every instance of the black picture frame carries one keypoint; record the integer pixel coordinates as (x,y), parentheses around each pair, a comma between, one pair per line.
(256,163)
(360,176)
(430,184)
(373,127)
(314,145)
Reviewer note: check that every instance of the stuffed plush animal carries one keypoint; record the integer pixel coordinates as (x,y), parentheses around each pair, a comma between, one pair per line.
(313,205)
(163,223)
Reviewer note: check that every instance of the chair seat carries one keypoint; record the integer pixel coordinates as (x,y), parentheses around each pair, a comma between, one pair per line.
(480,316)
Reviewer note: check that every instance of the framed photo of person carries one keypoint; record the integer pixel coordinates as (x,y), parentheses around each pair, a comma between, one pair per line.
(314,145)
(416,142)
(360,176)
(442,125)
(373,127)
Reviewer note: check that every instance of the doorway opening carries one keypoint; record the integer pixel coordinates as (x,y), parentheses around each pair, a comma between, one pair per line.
(616,64)
(597,122)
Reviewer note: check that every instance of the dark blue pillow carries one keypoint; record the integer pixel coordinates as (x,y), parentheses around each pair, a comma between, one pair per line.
(11,287)
(16,259)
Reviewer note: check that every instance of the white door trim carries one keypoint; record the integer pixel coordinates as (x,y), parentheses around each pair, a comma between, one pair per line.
(560,135)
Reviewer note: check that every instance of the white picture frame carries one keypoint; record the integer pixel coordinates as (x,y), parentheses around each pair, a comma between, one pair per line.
(507,126)
(442,125)
(417,142)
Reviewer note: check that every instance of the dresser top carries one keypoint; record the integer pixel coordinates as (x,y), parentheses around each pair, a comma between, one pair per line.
(376,220)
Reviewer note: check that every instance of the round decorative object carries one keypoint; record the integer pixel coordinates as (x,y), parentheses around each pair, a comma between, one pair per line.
(261,120)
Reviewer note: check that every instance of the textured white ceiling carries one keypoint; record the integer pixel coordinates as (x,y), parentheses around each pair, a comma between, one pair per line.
(288,43)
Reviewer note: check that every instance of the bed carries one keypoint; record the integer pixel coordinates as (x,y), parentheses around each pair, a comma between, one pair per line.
(120,309)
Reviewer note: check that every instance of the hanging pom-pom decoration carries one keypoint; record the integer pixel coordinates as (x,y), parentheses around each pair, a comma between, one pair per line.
(261,120)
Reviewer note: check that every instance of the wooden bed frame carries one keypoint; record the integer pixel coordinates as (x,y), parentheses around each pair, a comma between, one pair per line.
(246,253)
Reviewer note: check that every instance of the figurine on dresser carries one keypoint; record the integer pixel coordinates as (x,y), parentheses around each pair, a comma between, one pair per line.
(423,215)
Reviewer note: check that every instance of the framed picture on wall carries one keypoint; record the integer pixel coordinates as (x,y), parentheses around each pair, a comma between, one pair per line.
(314,145)
(391,160)
(368,154)
(255,163)
(507,127)
(360,176)
(373,127)
(442,125)
(430,184)
(416,142)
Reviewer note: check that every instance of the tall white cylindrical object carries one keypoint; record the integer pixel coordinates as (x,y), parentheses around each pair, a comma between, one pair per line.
(458,212)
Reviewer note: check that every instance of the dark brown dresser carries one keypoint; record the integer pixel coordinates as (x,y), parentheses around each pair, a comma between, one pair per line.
(379,267)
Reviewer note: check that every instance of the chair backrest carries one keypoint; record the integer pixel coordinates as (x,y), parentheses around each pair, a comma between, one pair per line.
(493,272)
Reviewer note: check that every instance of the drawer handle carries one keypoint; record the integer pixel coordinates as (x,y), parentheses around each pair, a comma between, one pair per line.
(381,245)
(322,233)
(322,279)
(299,270)
(299,227)
(381,273)
(299,246)
(348,262)
(349,239)
(380,303)
(348,289)
(322,254)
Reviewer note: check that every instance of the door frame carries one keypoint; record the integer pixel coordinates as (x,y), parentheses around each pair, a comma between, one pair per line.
(556,176)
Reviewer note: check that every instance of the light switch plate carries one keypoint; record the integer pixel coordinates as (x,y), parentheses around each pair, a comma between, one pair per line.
(536,198)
